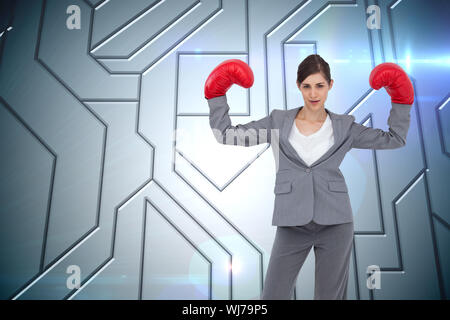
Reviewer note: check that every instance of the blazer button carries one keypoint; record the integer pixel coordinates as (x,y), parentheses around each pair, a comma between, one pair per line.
(307,170)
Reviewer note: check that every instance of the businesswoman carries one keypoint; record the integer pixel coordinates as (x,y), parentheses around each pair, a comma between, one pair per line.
(312,206)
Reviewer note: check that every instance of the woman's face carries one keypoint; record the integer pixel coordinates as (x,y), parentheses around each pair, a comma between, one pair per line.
(315,90)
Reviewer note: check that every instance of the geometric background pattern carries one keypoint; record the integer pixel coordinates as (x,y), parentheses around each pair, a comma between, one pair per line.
(108,161)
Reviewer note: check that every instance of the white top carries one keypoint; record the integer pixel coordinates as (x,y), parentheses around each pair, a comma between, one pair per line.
(311,148)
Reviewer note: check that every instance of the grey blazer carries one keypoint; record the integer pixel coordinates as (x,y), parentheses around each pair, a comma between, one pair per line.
(317,192)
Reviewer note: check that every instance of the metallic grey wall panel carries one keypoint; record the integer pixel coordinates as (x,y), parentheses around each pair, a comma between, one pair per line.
(109,163)
(64,53)
(111,16)
(25,190)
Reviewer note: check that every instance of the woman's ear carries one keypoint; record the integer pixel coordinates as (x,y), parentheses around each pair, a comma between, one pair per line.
(331,84)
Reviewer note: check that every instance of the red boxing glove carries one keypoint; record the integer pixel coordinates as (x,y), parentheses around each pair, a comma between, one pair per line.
(225,74)
(395,80)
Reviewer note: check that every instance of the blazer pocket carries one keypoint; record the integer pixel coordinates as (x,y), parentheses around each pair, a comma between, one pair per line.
(283,187)
(337,186)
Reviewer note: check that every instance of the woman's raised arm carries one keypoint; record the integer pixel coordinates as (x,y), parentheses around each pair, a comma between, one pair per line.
(218,82)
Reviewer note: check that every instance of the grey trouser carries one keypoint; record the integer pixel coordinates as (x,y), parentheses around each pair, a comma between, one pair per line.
(332,249)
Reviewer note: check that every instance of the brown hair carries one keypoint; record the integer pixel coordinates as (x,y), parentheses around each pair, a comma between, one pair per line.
(313,64)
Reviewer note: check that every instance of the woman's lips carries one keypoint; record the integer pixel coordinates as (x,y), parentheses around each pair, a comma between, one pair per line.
(312,101)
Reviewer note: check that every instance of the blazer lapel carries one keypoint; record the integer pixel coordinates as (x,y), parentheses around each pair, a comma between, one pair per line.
(289,122)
